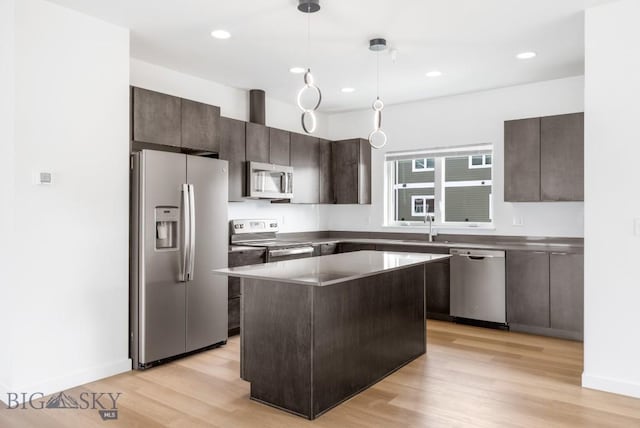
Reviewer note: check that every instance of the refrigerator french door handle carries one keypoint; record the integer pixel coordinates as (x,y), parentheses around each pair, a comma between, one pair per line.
(186,236)
(192,232)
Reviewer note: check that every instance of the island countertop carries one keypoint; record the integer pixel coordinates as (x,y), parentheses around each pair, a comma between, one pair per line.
(332,269)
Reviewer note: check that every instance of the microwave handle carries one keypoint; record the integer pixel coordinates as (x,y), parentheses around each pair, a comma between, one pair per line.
(285,183)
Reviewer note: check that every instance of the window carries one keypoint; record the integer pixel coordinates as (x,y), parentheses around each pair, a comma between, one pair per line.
(454,185)
(419,203)
(479,161)
(424,164)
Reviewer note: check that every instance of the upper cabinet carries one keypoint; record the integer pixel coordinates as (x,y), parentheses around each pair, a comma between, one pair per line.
(171,121)
(522,160)
(305,160)
(326,177)
(562,157)
(351,161)
(257,142)
(544,159)
(232,149)
(156,118)
(279,146)
(200,126)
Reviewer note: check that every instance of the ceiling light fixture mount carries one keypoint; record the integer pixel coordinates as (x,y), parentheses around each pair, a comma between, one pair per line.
(377,137)
(220,34)
(526,55)
(308,107)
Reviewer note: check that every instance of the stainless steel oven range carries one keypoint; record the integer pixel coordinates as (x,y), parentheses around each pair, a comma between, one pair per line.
(262,233)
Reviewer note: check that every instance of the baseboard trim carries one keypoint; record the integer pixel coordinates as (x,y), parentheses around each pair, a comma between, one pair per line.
(70,380)
(607,384)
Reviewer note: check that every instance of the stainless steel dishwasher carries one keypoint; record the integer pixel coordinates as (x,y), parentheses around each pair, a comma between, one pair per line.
(478,285)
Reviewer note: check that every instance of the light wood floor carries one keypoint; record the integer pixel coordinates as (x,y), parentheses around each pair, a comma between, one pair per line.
(470,377)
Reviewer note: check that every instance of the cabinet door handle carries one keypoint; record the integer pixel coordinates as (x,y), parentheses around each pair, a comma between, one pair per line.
(559,254)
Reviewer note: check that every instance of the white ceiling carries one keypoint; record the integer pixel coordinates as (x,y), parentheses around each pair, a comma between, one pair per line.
(473,42)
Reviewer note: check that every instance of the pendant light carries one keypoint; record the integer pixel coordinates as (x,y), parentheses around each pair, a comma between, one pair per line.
(377,137)
(308,118)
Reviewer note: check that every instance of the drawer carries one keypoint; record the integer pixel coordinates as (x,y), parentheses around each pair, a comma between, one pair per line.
(326,249)
(347,247)
(248,257)
(234,287)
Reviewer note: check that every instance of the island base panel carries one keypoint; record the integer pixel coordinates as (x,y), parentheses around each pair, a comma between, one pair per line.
(308,348)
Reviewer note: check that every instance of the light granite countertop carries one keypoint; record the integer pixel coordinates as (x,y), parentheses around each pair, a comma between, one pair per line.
(332,269)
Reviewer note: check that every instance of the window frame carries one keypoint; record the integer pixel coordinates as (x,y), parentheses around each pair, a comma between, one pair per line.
(391,191)
(426,168)
(484,163)
(424,199)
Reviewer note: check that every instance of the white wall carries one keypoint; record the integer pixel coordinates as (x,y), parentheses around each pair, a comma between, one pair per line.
(612,202)
(7,84)
(69,312)
(463,120)
(235,103)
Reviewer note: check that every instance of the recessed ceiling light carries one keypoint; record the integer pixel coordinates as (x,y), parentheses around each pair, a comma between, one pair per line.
(297,70)
(526,55)
(348,90)
(220,34)
(434,73)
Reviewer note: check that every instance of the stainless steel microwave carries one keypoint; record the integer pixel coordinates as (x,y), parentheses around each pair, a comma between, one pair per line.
(269,181)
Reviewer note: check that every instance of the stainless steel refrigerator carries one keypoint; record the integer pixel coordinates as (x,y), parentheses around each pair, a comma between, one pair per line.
(179,234)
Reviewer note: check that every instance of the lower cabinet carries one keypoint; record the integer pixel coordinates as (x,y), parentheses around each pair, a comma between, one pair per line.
(436,278)
(240,258)
(566,289)
(545,293)
(528,288)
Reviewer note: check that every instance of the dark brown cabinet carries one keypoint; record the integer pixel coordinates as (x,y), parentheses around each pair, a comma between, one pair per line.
(352,171)
(239,258)
(545,293)
(522,160)
(305,160)
(528,288)
(328,248)
(156,118)
(200,126)
(347,247)
(326,176)
(544,159)
(232,149)
(562,157)
(567,291)
(279,146)
(437,278)
(257,142)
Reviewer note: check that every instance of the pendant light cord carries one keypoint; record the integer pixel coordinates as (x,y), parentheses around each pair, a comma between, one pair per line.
(309,36)
(378,74)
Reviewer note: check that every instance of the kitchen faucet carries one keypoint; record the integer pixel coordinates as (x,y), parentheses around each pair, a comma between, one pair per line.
(429,218)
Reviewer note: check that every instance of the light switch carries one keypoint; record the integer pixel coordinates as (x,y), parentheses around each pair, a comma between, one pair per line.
(43,177)
(636,226)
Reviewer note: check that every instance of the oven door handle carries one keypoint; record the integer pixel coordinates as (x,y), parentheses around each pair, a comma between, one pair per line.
(290,251)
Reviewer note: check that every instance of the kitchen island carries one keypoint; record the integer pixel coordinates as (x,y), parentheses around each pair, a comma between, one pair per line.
(316,331)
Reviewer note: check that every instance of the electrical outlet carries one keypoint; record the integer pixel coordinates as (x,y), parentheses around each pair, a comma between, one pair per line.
(636,226)
(518,221)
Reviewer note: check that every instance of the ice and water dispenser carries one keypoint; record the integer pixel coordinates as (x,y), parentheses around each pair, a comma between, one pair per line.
(167,219)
